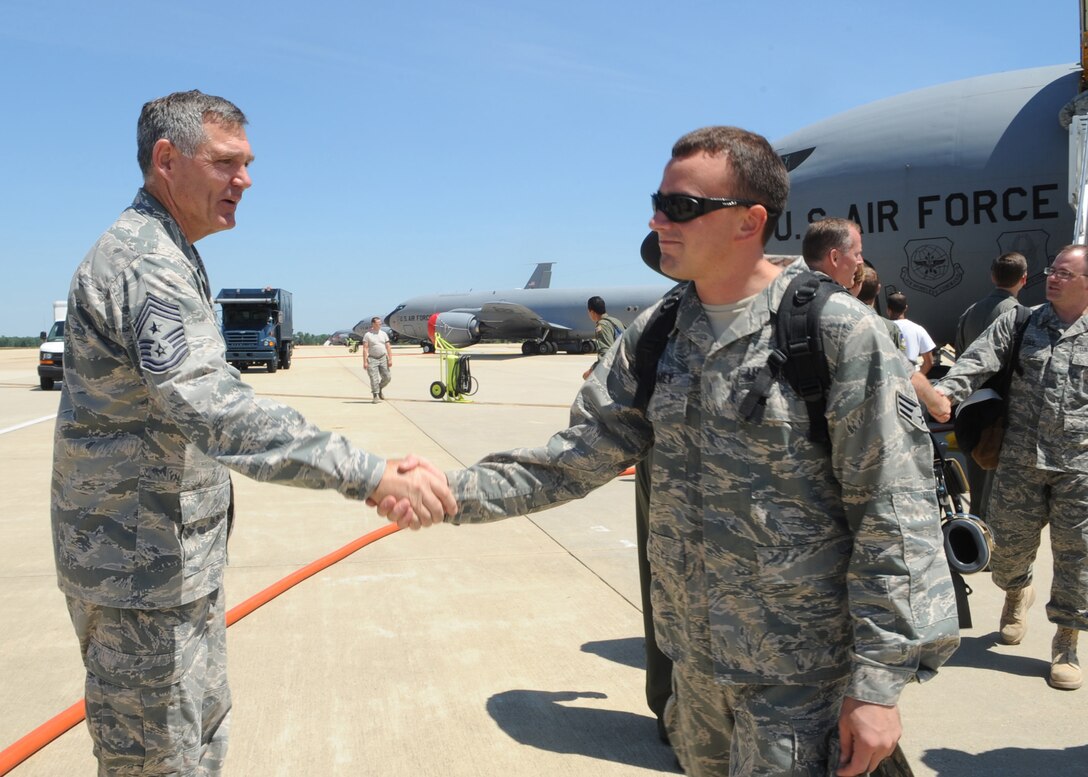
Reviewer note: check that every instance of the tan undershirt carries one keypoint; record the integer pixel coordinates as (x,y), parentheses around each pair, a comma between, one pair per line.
(723,316)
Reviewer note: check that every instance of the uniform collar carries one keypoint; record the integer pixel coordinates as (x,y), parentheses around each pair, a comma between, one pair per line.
(1049,319)
(147,205)
(692,321)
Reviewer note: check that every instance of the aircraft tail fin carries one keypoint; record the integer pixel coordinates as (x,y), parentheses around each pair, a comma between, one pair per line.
(541,277)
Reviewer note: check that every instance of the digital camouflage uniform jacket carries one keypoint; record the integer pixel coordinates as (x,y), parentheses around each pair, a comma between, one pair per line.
(150,412)
(773,561)
(1048,404)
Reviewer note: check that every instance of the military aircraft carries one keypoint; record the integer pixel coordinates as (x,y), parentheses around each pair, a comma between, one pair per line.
(546,320)
(942,180)
(340,336)
(363,327)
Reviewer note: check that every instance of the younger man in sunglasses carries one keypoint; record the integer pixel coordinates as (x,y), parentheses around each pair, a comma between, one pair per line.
(798,587)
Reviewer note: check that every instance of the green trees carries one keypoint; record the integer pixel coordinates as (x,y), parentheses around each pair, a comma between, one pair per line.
(19,342)
(305,338)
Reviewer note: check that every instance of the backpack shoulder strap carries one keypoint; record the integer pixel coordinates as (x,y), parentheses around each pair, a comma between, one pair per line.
(797,330)
(651,344)
(798,353)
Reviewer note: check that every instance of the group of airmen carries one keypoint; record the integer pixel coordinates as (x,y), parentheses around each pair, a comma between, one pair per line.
(797,587)
(1040,479)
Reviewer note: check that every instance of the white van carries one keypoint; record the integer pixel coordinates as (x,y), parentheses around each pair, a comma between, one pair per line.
(51,353)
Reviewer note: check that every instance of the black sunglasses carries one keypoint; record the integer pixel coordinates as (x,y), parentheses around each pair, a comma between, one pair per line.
(685,207)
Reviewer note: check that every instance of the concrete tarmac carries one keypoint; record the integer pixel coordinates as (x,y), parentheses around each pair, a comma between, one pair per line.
(508,649)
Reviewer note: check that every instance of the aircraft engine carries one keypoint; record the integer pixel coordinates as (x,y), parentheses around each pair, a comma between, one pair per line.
(458,329)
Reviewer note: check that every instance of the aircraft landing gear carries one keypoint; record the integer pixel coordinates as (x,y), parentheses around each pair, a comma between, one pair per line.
(534,347)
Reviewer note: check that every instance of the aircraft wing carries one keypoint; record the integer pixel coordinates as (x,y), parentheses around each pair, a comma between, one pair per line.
(512,317)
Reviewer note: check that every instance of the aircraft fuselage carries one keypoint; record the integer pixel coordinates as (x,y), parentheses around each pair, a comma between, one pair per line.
(942,181)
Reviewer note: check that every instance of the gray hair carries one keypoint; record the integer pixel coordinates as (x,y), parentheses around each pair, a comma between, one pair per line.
(179,118)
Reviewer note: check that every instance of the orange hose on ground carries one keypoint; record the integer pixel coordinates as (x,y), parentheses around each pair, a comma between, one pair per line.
(18,752)
(40,737)
(240,611)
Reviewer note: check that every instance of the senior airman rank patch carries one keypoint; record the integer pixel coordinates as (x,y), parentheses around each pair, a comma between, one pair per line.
(160,335)
(910,411)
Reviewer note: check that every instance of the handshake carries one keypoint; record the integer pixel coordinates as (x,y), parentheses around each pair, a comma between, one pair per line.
(413,493)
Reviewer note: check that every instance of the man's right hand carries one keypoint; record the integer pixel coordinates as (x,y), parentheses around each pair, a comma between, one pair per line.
(935,401)
(413,493)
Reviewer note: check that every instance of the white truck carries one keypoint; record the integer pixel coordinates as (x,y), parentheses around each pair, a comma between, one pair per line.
(51,353)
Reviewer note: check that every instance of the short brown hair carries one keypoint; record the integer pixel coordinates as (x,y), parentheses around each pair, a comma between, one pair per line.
(870,286)
(1008,269)
(758,171)
(824,235)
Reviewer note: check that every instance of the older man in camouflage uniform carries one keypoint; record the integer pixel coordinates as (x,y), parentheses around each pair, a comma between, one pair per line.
(149,415)
(1009,273)
(797,589)
(1042,477)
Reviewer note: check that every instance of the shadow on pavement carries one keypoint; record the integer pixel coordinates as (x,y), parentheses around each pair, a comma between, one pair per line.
(540,719)
(1009,762)
(630,651)
(976,652)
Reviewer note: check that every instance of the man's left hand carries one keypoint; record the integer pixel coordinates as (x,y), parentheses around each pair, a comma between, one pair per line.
(868,733)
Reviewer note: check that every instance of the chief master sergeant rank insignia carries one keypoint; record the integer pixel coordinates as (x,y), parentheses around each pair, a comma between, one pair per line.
(160,335)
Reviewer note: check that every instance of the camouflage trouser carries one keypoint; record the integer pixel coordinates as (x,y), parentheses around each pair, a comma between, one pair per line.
(753,730)
(1024,500)
(981,483)
(157,695)
(378,369)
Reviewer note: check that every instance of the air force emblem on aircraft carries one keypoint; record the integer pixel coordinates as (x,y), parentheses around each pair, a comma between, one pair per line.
(930,268)
(1033,244)
(160,335)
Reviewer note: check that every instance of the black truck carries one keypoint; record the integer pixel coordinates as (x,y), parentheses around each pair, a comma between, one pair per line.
(257,327)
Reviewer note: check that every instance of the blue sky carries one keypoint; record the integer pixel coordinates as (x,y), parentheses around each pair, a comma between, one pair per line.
(417,146)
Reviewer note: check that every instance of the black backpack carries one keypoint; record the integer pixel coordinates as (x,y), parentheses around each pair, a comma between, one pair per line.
(798,352)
